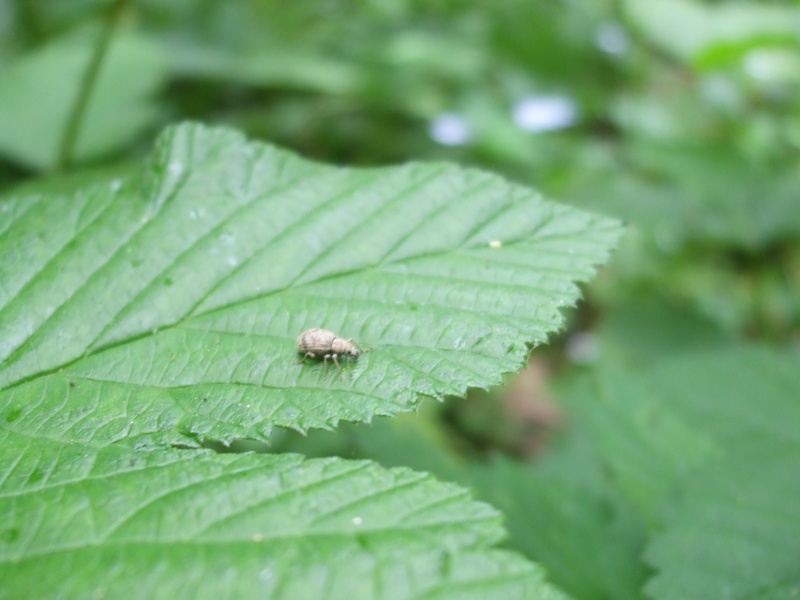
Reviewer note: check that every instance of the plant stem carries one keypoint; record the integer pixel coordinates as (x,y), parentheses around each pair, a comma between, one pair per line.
(75,119)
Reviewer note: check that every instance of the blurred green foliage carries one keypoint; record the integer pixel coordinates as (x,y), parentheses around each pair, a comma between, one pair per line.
(680,116)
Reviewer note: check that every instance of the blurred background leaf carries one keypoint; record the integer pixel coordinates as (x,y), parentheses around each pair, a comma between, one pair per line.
(38,90)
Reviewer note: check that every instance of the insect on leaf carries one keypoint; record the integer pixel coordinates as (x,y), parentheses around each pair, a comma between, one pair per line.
(181,294)
(163,309)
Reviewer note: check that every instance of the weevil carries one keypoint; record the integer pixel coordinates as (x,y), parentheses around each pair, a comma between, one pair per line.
(321,343)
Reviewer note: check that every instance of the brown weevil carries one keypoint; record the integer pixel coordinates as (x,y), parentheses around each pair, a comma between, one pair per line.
(321,343)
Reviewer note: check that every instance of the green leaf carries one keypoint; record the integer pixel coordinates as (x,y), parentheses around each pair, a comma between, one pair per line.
(645,446)
(706,446)
(562,514)
(171,306)
(165,524)
(737,394)
(654,426)
(735,531)
(641,333)
(37,93)
(162,308)
(559,509)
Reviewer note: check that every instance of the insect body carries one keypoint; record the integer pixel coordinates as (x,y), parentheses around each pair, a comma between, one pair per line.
(321,343)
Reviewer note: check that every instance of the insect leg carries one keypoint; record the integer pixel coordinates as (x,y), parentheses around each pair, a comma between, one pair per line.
(338,366)
(300,362)
(325,362)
